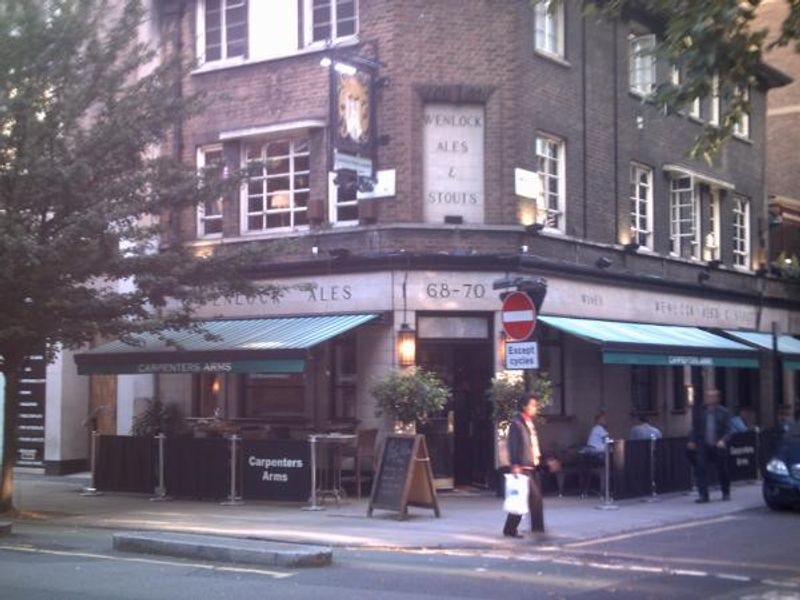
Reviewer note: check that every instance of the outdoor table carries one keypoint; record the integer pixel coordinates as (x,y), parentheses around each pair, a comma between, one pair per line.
(329,482)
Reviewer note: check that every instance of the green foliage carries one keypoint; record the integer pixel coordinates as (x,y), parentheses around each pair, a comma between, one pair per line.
(157,418)
(508,387)
(707,39)
(789,265)
(410,396)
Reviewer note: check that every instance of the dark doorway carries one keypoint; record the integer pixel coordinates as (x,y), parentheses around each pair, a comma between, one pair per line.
(466,452)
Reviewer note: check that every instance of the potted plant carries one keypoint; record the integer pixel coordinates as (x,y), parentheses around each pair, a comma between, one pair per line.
(504,392)
(157,418)
(410,396)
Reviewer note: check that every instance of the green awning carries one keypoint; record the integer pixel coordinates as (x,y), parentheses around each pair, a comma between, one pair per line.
(788,346)
(276,345)
(647,344)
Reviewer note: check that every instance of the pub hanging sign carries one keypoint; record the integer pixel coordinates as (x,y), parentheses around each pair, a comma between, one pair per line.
(352,109)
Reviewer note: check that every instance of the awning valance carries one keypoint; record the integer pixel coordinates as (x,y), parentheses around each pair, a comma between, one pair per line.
(276,345)
(788,346)
(649,344)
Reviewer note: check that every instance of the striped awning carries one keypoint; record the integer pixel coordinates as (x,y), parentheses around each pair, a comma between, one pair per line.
(649,344)
(275,345)
(788,346)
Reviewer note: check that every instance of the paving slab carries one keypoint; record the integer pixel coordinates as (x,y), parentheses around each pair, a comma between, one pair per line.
(223,549)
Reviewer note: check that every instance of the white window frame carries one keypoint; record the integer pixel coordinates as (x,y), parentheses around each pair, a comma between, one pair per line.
(202,218)
(694,109)
(292,209)
(638,235)
(548,27)
(711,251)
(334,204)
(677,198)
(200,23)
(642,63)
(714,110)
(552,204)
(741,232)
(742,128)
(308,25)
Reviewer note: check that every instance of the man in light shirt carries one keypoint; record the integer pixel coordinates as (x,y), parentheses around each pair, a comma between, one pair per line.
(643,430)
(596,443)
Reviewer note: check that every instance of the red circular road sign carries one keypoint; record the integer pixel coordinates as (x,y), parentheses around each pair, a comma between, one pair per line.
(519,316)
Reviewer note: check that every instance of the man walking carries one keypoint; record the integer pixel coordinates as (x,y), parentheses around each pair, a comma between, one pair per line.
(524,456)
(711,428)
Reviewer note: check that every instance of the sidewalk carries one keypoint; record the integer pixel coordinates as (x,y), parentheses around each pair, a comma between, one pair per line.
(468,520)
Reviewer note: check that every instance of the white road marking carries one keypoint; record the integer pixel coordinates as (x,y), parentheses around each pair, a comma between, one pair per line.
(641,532)
(169,563)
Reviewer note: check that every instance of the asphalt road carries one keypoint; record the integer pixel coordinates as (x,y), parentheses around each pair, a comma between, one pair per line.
(750,555)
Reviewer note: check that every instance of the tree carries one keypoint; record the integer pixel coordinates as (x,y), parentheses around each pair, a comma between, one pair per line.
(84,110)
(709,40)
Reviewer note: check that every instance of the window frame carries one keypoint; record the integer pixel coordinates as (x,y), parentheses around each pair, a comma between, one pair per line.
(200,24)
(741,129)
(635,56)
(202,218)
(308,25)
(292,209)
(695,110)
(741,232)
(634,214)
(714,110)
(549,23)
(334,205)
(714,214)
(675,236)
(644,383)
(559,212)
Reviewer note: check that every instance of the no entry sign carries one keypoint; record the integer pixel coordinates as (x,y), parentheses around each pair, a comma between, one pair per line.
(519,316)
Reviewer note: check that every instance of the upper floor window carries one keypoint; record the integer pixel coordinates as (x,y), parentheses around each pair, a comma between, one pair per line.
(712,239)
(695,108)
(277,189)
(550,166)
(641,197)
(224,29)
(642,63)
(331,19)
(741,231)
(684,226)
(211,163)
(713,111)
(742,126)
(549,26)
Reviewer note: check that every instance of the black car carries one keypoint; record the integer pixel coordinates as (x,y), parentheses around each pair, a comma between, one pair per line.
(782,474)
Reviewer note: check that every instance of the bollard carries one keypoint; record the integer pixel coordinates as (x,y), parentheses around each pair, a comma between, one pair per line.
(607,502)
(758,452)
(653,495)
(233,498)
(161,489)
(92,489)
(312,440)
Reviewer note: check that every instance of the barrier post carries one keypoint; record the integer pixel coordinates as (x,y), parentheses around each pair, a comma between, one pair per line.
(653,495)
(233,498)
(92,489)
(161,489)
(312,440)
(758,452)
(607,501)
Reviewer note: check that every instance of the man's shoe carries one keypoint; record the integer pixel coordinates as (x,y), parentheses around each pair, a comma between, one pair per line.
(726,497)
(512,534)
(701,500)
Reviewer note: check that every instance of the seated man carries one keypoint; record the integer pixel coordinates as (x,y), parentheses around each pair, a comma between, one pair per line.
(643,430)
(596,443)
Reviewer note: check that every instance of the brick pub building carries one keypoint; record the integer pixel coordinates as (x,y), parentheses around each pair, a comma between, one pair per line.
(489,140)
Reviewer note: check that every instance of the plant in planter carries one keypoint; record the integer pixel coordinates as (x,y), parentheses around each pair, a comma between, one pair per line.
(504,392)
(410,396)
(157,418)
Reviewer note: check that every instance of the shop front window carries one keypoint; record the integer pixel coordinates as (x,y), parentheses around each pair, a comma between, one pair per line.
(644,391)
(344,372)
(269,395)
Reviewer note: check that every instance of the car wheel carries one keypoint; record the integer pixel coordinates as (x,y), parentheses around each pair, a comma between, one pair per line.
(775,504)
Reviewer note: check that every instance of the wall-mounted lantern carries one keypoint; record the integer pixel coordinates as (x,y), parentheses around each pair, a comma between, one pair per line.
(406,346)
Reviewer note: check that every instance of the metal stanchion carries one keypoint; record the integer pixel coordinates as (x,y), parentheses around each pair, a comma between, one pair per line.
(312,440)
(161,489)
(653,497)
(92,489)
(233,498)
(607,502)
(757,431)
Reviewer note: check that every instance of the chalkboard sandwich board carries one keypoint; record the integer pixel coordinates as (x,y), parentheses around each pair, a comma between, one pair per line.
(404,477)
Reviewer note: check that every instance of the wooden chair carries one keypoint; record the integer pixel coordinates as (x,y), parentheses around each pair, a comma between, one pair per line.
(364,455)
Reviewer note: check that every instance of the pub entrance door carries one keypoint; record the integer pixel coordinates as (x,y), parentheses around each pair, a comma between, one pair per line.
(461,438)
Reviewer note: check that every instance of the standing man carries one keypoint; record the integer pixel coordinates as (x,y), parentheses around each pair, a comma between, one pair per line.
(711,428)
(524,456)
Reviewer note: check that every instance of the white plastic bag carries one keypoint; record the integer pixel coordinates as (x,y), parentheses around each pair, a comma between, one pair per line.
(516,501)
